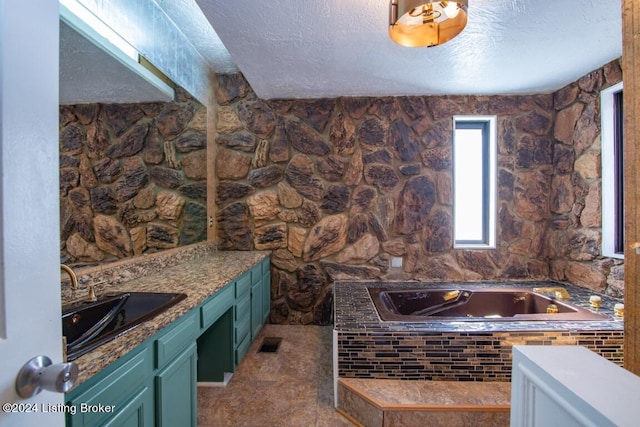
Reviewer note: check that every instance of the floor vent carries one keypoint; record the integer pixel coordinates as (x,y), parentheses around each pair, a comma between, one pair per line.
(270,345)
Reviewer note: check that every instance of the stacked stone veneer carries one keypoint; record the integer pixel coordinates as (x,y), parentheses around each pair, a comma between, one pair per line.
(337,187)
(575,232)
(132,178)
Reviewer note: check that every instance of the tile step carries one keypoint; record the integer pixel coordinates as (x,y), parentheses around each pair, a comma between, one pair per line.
(386,403)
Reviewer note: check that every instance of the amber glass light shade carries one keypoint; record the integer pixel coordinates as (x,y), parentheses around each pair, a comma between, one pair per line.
(420,23)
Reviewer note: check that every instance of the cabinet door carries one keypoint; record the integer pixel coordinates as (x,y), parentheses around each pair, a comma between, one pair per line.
(256,309)
(117,389)
(176,401)
(137,412)
(266,295)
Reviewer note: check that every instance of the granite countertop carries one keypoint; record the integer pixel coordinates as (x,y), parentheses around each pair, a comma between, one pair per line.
(198,277)
(354,310)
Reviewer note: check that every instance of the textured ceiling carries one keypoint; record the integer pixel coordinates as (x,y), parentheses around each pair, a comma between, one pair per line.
(189,18)
(329,48)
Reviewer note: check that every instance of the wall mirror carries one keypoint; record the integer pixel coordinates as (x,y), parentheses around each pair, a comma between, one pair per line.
(132,151)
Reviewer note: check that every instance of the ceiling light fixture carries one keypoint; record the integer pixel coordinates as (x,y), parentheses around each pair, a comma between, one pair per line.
(416,23)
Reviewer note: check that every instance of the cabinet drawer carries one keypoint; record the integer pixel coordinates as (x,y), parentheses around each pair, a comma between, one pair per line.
(242,349)
(216,306)
(242,329)
(243,284)
(243,308)
(115,390)
(256,274)
(174,341)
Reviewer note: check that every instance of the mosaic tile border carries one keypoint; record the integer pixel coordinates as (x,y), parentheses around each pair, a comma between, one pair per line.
(458,356)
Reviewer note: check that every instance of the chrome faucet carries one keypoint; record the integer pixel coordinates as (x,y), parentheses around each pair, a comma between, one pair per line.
(559,293)
(72,276)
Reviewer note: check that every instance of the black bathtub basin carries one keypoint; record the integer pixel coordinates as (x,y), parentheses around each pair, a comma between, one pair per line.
(87,325)
(469,304)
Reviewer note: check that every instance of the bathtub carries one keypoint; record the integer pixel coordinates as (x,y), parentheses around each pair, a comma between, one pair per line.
(474,304)
(433,331)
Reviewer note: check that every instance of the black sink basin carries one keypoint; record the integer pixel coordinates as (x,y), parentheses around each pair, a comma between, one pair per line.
(87,325)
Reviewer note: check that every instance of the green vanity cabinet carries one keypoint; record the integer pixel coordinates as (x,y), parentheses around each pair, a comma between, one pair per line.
(133,413)
(175,338)
(123,389)
(155,384)
(176,391)
(256,301)
(266,289)
(253,302)
(216,305)
(260,297)
(176,372)
(249,310)
(142,387)
(215,343)
(242,316)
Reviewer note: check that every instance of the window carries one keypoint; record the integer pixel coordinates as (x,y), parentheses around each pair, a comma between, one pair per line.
(474,177)
(612,172)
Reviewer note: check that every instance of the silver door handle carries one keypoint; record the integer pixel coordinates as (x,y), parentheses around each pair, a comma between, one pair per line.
(39,373)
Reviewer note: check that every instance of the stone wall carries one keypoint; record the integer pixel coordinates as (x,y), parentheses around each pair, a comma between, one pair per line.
(132,178)
(337,187)
(576,192)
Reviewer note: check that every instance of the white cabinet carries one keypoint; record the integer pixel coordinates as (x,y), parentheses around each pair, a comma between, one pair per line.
(571,386)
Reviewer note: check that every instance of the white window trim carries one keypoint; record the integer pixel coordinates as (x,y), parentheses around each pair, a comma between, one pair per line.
(608,196)
(491,238)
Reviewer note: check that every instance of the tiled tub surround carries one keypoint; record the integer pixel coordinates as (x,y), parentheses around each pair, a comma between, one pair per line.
(197,270)
(367,347)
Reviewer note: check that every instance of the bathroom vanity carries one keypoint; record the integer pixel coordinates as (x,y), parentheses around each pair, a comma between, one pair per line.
(149,375)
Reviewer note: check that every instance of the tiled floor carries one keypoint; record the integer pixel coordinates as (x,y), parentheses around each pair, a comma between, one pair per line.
(292,387)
